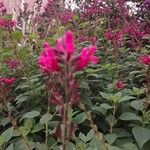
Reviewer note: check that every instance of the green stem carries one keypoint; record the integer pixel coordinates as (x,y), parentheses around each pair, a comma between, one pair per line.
(46,132)
(94,127)
(112,119)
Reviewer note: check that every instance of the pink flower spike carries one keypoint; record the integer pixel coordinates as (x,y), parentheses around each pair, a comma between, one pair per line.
(7,81)
(145,59)
(66,43)
(48,60)
(119,85)
(86,56)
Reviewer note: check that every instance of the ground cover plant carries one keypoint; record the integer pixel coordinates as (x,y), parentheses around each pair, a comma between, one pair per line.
(75,77)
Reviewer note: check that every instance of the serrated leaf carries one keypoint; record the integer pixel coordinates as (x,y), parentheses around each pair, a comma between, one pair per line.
(106,106)
(1,141)
(38,127)
(128,116)
(7,134)
(31,114)
(80,118)
(111,138)
(137,104)
(82,137)
(90,135)
(126,98)
(45,118)
(24,131)
(104,95)
(141,135)
(10,147)
(129,146)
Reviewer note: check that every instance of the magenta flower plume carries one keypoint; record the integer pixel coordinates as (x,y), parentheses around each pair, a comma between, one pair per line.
(7,81)
(119,85)
(65,44)
(86,56)
(47,60)
(145,59)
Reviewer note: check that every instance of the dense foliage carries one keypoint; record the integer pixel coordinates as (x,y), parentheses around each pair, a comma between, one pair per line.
(75,79)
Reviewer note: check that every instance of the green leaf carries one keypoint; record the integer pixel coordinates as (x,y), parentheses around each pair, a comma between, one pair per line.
(113,148)
(141,135)
(90,135)
(84,85)
(129,146)
(80,118)
(40,146)
(99,109)
(45,118)
(137,104)
(128,116)
(10,147)
(20,146)
(116,97)
(126,98)
(106,96)
(17,35)
(24,131)
(137,91)
(111,138)
(70,146)
(28,123)
(1,141)
(5,121)
(38,127)
(106,106)
(7,134)
(82,137)
(121,133)
(31,114)
(95,144)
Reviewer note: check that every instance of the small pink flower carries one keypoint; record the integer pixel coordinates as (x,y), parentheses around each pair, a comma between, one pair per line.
(7,24)
(145,59)
(7,81)
(47,60)
(93,40)
(109,35)
(119,85)
(13,63)
(65,44)
(86,56)
(65,16)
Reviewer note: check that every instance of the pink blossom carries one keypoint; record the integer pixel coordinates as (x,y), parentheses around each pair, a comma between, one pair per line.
(86,56)
(3,9)
(119,85)
(7,24)
(65,44)
(7,81)
(109,35)
(47,60)
(13,63)
(93,40)
(145,59)
(65,16)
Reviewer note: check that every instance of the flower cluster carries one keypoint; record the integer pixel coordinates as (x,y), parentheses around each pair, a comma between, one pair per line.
(65,16)
(49,59)
(7,24)
(2,9)
(145,59)
(13,64)
(7,81)
(116,38)
(62,62)
(119,85)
